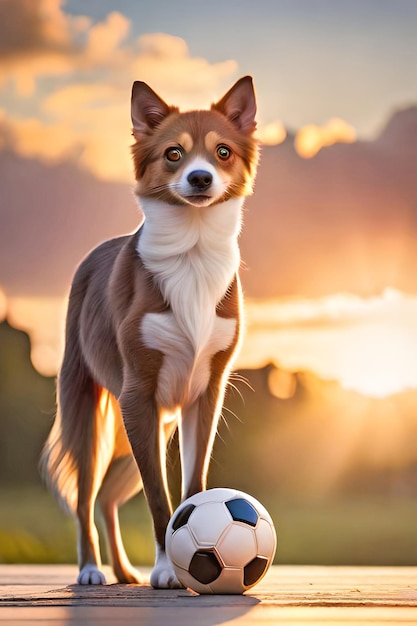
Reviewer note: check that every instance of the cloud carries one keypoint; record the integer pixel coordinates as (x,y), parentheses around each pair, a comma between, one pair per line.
(165,62)
(383,326)
(36,26)
(88,116)
(312,138)
(367,344)
(105,39)
(37,39)
(32,138)
(43,320)
(345,225)
(98,119)
(303,236)
(271,134)
(51,215)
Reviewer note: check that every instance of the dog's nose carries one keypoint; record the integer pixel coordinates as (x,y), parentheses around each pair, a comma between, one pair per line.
(200,179)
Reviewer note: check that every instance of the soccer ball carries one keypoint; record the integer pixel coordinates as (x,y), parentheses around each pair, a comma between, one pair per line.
(220,541)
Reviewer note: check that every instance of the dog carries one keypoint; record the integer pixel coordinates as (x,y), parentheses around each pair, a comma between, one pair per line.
(153,324)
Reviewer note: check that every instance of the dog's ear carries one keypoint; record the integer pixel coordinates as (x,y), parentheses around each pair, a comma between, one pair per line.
(147,108)
(239,105)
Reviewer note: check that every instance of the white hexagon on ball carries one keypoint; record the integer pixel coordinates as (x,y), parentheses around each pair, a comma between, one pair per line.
(237,546)
(208,522)
(266,538)
(182,547)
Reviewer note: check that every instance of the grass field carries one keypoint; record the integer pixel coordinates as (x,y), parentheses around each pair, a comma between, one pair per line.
(374,531)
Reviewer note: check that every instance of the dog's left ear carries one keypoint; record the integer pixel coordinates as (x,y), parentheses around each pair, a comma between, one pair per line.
(239,105)
(147,108)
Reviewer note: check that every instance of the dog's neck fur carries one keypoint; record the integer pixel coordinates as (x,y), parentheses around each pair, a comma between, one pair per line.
(193,255)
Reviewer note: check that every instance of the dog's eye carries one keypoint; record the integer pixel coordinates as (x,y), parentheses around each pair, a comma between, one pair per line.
(223,152)
(173,154)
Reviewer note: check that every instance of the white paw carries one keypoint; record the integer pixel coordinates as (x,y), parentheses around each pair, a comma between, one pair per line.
(91,575)
(163,575)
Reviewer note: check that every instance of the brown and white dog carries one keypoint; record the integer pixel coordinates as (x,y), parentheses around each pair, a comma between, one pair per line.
(153,323)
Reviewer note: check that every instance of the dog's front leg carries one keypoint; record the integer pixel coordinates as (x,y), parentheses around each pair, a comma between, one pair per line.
(197,430)
(146,435)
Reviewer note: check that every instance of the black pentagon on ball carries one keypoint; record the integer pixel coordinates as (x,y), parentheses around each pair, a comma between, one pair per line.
(242,511)
(182,517)
(205,567)
(253,571)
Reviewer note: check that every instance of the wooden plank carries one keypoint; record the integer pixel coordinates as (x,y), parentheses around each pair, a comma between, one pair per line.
(293,595)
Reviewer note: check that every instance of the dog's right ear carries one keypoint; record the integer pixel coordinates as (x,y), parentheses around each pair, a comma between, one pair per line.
(239,105)
(147,109)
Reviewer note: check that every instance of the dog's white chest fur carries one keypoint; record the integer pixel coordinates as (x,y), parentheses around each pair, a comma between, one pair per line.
(184,375)
(193,255)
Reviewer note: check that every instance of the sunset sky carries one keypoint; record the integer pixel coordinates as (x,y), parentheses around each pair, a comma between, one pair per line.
(67,67)
(326,72)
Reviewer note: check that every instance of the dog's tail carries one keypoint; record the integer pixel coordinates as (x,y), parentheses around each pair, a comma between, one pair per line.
(59,469)
(81,443)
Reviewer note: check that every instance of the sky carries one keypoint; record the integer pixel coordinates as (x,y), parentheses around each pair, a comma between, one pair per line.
(312,59)
(67,67)
(328,72)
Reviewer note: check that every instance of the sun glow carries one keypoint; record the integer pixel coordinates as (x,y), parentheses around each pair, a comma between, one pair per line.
(43,320)
(272,134)
(312,138)
(382,363)
(368,345)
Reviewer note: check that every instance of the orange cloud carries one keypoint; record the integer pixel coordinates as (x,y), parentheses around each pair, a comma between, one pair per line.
(37,39)
(105,38)
(164,61)
(43,320)
(31,27)
(87,120)
(97,117)
(312,138)
(90,120)
(32,138)
(367,344)
(271,134)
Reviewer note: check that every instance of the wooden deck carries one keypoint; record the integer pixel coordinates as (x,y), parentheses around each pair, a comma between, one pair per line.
(43,594)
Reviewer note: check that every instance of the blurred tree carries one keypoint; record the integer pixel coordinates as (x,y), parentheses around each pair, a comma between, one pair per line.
(27,402)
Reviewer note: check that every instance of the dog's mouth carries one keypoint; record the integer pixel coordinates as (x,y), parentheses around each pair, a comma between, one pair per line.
(199,199)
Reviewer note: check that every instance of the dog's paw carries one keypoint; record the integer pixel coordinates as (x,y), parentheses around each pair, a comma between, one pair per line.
(128,575)
(163,575)
(91,575)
